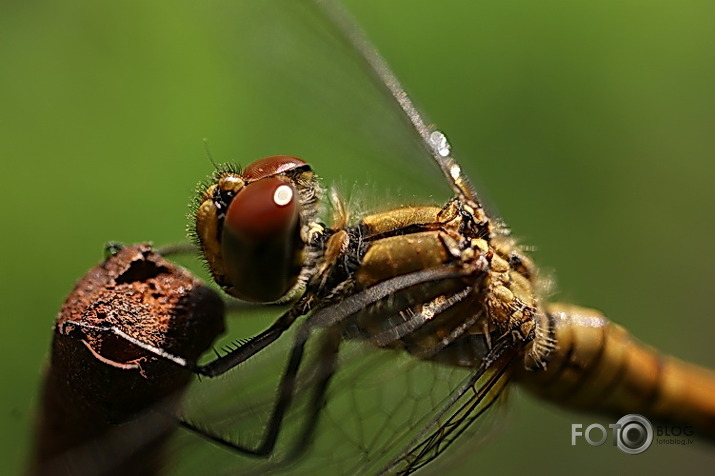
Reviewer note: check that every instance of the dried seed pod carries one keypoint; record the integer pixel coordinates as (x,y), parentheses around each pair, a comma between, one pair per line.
(100,388)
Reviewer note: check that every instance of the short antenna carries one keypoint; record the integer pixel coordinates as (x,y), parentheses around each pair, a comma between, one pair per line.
(208,153)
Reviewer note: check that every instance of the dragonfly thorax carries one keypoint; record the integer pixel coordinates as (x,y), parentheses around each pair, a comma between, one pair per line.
(452,318)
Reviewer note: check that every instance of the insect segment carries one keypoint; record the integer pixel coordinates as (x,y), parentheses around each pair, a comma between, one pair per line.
(599,366)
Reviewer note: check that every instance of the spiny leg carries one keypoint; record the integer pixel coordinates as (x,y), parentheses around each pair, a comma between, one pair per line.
(213,368)
(415,320)
(327,366)
(325,317)
(286,393)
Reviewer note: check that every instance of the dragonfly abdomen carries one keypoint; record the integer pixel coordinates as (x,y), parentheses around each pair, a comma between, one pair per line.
(598,365)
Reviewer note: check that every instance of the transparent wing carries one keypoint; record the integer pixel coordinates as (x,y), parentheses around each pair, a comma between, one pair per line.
(311,95)
(368,411)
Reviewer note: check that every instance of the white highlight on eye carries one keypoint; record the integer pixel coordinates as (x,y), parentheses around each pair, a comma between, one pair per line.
(283,195)
(439,143)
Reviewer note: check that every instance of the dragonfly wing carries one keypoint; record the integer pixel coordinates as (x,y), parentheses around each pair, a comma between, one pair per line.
(379,411)
(317,98)
(466,405)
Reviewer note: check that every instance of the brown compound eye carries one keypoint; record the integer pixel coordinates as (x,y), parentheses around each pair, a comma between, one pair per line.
(262,210)
(260,240)
(270,166)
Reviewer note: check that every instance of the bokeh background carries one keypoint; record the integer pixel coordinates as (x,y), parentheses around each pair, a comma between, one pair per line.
(589,125)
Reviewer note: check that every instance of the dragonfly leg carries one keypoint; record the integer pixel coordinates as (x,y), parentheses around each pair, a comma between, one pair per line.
(178,249)
(253,346)
(338,312)
(414,320)
(71,328)
(286,393)
(214,368)
(326,369)
(111,248)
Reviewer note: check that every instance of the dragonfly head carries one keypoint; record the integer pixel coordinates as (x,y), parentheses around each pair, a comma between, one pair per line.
(251,226)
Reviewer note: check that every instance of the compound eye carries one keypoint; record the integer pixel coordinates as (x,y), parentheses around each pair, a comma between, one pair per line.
(270,166)
(260,240)
(262,210)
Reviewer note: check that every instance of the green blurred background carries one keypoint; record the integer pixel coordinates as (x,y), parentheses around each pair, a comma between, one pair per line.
(590,125)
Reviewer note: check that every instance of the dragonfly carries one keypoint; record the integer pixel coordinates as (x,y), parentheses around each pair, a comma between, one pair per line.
(512,323)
